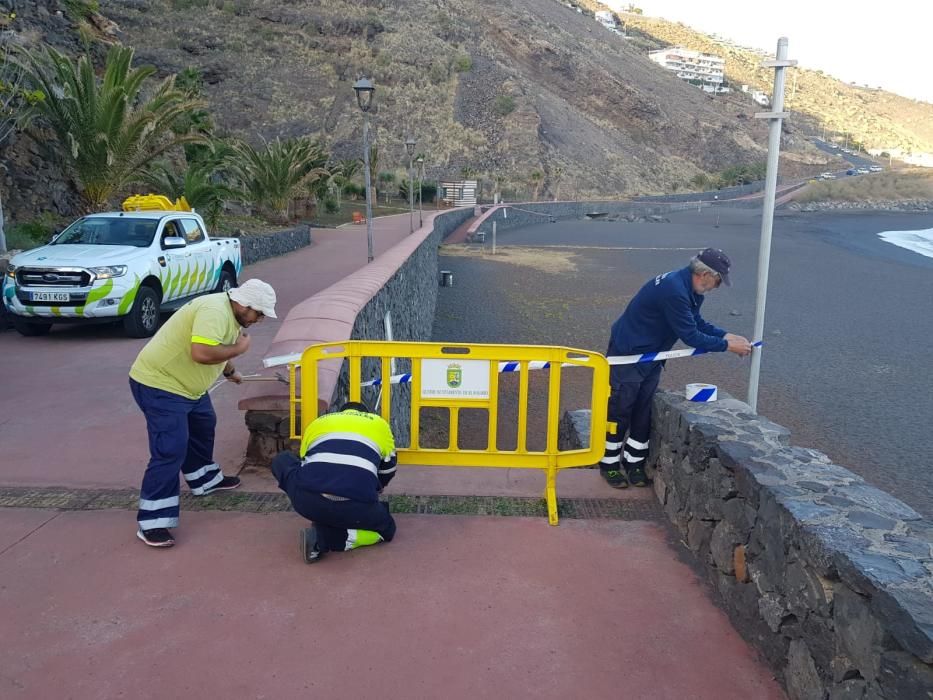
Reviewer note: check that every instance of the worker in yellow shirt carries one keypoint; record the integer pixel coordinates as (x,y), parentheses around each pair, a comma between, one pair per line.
(169,381)
(345,460)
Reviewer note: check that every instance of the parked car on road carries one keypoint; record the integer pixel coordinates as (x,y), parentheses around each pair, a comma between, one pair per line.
(125,265)
(875,169)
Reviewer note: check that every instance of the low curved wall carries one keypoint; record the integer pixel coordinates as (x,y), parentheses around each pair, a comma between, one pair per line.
(831,578)
(260,247)
(404,281)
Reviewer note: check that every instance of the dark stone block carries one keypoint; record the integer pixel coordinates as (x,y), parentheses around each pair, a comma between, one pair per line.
(807,591)
(802,679)
(818,632)
(858,633)
(853,689)
(265,421)
(821,544)
(907,614)
(867,571)
(722,546)
(909,545)
(740,515)
(699,533)
(871,521)
(812,486)
(878,501)
(808,511)
(904,676)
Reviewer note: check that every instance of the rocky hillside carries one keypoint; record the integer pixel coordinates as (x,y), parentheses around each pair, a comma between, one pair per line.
(499,89)
(877,118)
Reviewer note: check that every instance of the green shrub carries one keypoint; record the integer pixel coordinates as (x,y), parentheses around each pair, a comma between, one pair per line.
(81,9)
(31,234)
(463,63)
(330,205)
(505,104)
(351,189)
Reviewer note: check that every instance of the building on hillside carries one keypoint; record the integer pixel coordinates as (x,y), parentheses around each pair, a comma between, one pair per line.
(459,193)
(605,18)
(705,70)
(757,95)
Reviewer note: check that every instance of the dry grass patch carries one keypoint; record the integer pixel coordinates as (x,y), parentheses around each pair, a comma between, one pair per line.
(893,186)
(554,262)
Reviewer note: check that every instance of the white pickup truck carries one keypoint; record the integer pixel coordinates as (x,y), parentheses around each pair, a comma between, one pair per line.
(131,265)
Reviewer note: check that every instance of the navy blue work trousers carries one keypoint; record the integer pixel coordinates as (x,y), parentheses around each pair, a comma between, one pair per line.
(181,439)
(332,519)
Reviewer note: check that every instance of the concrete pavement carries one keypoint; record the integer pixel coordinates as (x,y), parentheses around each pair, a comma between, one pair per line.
(458,606)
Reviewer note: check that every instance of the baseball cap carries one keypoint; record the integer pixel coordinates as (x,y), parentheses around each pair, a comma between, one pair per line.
(257,295)
(718,261)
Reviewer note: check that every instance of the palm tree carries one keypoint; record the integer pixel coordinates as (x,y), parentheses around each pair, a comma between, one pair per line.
(17,106)
(106,130)
(386,179)
(272,176)
(558,174)
(536,177)
(200,185)
(344,172)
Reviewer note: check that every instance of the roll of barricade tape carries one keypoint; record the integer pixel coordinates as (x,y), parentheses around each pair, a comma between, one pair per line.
(701,392)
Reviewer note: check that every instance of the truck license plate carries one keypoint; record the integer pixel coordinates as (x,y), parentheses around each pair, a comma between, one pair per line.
(51,296)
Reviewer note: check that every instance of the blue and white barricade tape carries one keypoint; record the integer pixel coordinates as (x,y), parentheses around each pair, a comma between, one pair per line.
(540,364)
(701,393)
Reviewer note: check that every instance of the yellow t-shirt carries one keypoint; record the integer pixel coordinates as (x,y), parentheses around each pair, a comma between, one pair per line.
(165,362)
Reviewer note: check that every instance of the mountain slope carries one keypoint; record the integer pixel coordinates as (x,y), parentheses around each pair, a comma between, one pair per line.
(500,88)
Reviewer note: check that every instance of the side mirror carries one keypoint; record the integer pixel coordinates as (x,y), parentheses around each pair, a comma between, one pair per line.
(173,242)
(55,235)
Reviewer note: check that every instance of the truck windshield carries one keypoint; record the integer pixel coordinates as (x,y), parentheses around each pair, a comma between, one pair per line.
(101,230)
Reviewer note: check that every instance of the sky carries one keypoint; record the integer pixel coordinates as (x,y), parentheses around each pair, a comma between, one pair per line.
(879,44)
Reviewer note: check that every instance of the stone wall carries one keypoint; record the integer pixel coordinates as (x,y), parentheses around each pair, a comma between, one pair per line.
(411,298)
(259,247)
(403,281)
(831,578)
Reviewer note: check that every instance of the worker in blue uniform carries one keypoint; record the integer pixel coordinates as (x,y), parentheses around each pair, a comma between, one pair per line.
(666,309)
(345,460)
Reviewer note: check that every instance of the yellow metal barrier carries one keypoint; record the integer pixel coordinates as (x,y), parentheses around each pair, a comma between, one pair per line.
(456,377)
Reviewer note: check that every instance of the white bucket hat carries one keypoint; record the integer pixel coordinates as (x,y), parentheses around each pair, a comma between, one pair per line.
(257,295)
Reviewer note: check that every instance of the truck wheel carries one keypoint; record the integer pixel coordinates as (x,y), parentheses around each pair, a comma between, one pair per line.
(226,282)
(30,329)
(143,319)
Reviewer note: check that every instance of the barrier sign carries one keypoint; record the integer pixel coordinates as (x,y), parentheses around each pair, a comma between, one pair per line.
(455,379)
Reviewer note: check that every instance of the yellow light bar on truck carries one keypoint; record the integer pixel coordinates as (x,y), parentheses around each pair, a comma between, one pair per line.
(154,202)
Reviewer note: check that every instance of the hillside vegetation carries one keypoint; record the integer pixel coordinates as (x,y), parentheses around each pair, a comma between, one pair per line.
(914,184)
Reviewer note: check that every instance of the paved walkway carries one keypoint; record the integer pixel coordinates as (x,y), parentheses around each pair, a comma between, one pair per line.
(461,605)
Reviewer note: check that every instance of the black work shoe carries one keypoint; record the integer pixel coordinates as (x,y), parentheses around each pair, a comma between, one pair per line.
(637,477)
(307,542)
(614,478)
(156,537)
(225,484)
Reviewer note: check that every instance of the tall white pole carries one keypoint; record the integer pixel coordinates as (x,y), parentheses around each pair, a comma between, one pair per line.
(775,120)
(368,181)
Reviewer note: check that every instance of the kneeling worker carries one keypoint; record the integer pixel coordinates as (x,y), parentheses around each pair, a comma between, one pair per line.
(346,459)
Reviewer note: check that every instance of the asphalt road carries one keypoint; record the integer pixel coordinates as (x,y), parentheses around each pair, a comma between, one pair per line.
(848,327)
(857,160)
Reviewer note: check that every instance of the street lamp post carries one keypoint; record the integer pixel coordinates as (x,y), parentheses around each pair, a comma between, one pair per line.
(410,144)
(364,98)
(420,162)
